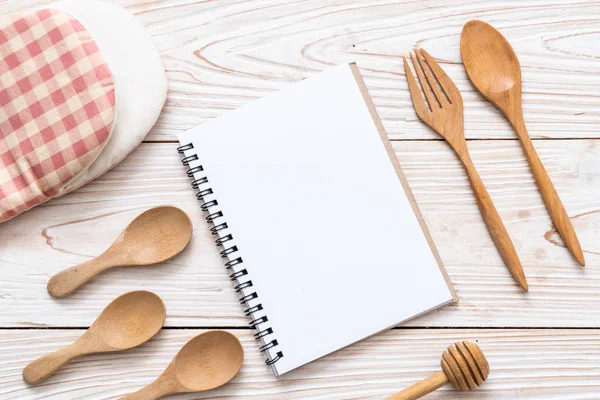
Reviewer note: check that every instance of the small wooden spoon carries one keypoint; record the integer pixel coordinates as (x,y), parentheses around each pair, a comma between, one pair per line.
(494,69)
(153,237)
(206,362)
(127,322)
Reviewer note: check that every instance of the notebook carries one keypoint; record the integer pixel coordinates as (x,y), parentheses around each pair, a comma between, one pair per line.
(318,228)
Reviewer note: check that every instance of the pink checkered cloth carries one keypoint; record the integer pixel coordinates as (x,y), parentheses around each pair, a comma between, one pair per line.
(57,102)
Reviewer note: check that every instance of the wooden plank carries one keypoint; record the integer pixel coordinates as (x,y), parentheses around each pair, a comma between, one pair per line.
(222,55)
(194,285)
(528,364)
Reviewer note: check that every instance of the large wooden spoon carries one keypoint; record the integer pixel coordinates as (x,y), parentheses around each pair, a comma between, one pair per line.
(494,69)
(127,322)
(206,362)
(153,237)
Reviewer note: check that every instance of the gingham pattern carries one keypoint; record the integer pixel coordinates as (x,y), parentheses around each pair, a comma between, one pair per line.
(56,106)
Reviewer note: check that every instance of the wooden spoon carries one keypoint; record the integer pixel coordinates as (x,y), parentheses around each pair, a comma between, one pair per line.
(494,69)
(127,322)
(153,237)
(206,362)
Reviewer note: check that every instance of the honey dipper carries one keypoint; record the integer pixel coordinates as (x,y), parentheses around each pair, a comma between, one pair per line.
(463,365)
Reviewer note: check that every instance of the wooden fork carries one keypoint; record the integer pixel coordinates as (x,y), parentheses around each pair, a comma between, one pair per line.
(445,116)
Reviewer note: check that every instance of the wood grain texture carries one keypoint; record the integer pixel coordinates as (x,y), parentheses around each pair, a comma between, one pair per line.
(67,231)
(221,55)
(526,364)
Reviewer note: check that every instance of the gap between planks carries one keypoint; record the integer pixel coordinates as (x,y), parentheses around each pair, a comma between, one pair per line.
(442,140)
(407,328)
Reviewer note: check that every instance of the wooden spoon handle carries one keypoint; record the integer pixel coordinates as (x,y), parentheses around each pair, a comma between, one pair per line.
(153,391)
(42,368)
(69,280)
(495,225)
(421,388)
(555,207)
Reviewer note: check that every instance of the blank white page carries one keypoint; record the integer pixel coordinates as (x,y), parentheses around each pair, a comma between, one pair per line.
(320,219)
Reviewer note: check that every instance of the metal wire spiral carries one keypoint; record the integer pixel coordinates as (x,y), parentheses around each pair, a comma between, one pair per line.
(230,253)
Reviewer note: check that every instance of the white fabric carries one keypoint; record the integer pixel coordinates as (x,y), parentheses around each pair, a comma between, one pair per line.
(140,79)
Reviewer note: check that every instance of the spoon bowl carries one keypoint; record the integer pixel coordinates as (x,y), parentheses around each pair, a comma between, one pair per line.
(131,320)
(154,236)
(491,75)
(206,362)
(128,321)
(219,349)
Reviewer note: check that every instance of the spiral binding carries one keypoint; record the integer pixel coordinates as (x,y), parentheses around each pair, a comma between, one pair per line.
(248,297)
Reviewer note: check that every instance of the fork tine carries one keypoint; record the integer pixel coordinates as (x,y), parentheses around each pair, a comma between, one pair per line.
(430,78)
(415,92)
(444,80)
(424,85)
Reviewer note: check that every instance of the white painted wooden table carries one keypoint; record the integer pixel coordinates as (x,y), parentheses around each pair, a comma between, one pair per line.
(222,54)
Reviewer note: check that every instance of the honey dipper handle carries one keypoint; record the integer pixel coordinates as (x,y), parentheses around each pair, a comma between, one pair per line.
(420,389)
(495,225)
